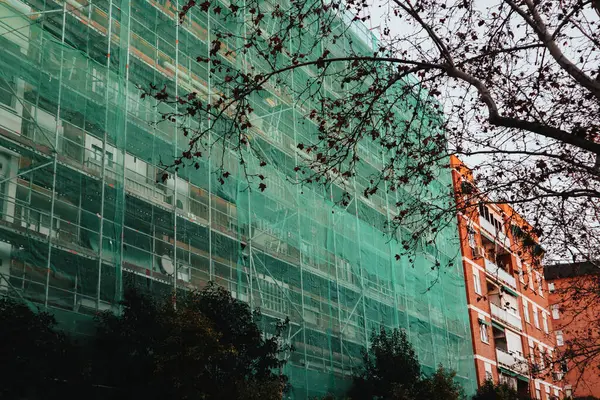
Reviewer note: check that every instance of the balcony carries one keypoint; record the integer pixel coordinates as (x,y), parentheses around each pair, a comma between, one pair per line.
(512,361)
(488,226)
(500,274)
(503,239)
(496,234)
(506,317)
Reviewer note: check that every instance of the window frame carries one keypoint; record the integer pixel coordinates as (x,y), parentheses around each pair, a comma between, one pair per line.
(536,317)
(9,86)
(540,283)
(531,351)
(555,311)
(489,374)
(483,333)
(526,311)
(477,282)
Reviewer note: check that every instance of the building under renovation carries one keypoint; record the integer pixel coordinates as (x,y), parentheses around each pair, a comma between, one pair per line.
(83,210)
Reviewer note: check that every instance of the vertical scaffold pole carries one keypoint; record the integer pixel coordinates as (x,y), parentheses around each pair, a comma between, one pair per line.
(105,140)
(249,210)
(124,91)
(301,264)
(360,265)
(55,165)
(210,205)
(393,261)
(337,278)
(176,175)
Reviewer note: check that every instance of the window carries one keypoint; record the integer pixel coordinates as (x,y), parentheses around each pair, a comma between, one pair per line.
(270,128)
(476,281)
(306,254)
(483,332)
(490,217)
(97,155)
(541,351)
(521,274)
(555,311)
(547,387)
(540,283)
(2,198)
(545,321)
(520,270)
(344,270)
(559,338)
(568,391)
(536,317)
(489,376)
(551,287)
(97,82)
(526,311)
(530,276)
(7,90)
(274,294)
(497,225)
(531,352)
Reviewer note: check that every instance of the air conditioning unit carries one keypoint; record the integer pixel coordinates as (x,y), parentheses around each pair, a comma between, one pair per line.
(478,252)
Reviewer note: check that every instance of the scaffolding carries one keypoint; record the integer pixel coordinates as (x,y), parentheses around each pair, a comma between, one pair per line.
(83,208)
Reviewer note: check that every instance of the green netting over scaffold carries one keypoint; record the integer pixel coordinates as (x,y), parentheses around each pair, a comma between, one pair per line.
(83,208)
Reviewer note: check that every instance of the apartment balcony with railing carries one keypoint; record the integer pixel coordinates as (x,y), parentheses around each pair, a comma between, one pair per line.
(512,360)
(500,273)
(492,224)
(506,316)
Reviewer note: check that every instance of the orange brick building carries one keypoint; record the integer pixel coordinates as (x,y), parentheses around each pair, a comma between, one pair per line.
(575,308)
(507,295)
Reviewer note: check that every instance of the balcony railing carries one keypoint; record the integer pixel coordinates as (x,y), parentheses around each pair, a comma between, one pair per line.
(512,361)
(502,238)
(488,226)
(499,273)
(506,317)
(495,234)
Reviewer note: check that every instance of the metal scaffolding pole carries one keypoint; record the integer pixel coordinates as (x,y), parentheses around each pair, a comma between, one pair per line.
(124,48)
(55,165)
(301,264)
(103,170)
(211,268)
(175,151)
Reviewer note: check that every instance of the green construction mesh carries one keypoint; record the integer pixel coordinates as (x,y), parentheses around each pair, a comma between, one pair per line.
(83,208)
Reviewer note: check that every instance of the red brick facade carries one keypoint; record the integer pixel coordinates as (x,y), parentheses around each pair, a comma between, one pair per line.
(575,309)
(504,281)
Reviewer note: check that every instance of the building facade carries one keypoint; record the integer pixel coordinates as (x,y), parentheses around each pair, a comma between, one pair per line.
(575,309)
(507,295)
(84,212)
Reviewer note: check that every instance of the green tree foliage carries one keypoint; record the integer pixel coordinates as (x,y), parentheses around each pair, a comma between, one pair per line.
(441,385)
(391,371)
(501,391)
(33,354)
(208,346)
